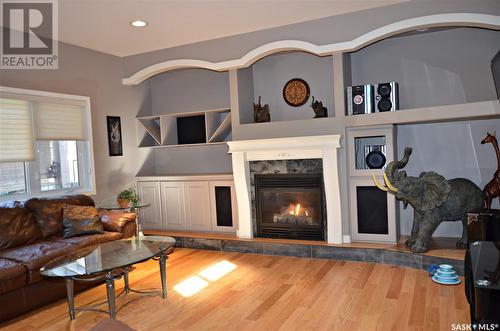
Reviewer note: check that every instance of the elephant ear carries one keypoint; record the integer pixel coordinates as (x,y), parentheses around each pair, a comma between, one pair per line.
(433,190)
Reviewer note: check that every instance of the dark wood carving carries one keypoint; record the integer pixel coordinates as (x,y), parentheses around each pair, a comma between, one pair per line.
(319,109)
(261,113)
(492,189)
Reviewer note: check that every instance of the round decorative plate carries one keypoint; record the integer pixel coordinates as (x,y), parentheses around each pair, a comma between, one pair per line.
(296,92)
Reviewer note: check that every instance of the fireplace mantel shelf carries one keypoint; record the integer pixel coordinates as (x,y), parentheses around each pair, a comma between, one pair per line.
(310,147)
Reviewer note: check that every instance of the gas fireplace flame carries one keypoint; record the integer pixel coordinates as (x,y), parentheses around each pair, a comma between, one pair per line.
(297,210)
(295,214)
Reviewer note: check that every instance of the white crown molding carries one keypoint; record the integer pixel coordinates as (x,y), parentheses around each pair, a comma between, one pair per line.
(430,21)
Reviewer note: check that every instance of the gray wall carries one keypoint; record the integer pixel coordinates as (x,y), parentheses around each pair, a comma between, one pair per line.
(188,90)
(432,69)
(271,74)
(452,150)
(193,160)
(97,75)
(322,31)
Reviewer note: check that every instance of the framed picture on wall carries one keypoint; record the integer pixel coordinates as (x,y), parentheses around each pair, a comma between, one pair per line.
(114,135)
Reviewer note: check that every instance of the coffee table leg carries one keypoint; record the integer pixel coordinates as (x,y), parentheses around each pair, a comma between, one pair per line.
(163,275)
(125,280)
(110,287)
(137,230)
(70,297)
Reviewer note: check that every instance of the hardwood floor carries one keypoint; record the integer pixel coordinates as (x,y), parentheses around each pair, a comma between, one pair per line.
(270,293)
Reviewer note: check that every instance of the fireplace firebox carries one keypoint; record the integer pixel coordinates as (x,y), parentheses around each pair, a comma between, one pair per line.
(290,206)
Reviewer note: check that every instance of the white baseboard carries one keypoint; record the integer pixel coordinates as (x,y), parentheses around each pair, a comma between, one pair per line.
(346,239)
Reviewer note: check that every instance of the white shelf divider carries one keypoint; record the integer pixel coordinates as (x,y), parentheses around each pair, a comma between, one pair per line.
(222,131)
(152,126)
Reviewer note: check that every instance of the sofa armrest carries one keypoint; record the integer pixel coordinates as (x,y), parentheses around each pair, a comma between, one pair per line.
(123,222)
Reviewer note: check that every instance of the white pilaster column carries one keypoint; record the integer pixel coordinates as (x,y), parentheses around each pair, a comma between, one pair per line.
(241,173)
(332,194)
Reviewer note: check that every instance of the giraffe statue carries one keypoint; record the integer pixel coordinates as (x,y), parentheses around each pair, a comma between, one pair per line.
(492,189)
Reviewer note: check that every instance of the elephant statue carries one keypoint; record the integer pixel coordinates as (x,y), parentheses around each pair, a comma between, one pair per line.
(433,198)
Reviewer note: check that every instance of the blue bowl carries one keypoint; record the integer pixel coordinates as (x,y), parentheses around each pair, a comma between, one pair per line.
(445,277)
(446,266)
(446,281)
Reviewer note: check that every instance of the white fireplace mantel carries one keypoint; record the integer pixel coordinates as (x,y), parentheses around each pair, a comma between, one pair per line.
(312,147)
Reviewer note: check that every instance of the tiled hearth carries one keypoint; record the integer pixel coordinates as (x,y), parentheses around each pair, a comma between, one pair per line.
(398,255)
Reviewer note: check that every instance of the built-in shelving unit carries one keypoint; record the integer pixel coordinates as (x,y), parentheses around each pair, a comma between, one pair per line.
(162,130)
(441,62)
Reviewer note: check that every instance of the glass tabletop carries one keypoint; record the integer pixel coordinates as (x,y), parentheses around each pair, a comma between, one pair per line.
(107,256)
(117,207)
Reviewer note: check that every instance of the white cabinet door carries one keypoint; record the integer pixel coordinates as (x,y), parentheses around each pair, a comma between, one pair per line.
(174,215)
(150,217)
(197,206)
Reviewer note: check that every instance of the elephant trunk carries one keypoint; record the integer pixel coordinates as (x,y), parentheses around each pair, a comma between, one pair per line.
(390,170)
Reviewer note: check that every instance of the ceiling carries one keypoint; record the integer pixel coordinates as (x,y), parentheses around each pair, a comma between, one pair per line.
(103,25)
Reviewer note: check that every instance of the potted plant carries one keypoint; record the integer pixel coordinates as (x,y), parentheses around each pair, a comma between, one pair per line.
(126,197)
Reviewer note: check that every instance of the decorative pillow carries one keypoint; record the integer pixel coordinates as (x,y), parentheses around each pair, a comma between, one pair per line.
(78,227)
(48,212)
(115,221)
(74,212)
(17,227)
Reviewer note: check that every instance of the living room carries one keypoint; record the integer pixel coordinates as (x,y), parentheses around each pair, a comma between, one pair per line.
(294,165)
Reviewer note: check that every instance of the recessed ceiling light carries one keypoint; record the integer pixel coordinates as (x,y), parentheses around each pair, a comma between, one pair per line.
(138,23)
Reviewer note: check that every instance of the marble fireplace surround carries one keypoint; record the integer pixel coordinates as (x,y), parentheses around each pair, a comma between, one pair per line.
(311,147)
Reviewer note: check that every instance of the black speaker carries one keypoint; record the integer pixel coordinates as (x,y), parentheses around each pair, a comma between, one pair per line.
(386,97)
(360,99)
(375,160)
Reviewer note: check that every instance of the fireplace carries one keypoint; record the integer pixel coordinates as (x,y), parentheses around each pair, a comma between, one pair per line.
(290,206)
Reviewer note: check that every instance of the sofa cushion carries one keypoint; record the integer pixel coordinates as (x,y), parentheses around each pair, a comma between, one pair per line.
(89,240)
(17,227)
(79,227)
(116,221)
(12,275)
(48,212)
(34,256)
(75,212)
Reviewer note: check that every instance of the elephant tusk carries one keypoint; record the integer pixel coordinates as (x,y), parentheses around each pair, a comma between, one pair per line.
(383,188)
(389,184)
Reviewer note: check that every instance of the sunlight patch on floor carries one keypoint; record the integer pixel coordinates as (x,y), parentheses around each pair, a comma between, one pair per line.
(190,286)
(195,284)
(218,270)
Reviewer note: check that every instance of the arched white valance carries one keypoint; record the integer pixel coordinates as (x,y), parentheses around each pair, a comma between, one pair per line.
(441,20)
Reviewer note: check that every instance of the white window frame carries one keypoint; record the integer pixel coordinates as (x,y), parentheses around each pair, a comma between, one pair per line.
(88,182)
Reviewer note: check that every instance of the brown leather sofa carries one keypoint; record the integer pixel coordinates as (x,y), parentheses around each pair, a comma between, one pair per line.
(31,236)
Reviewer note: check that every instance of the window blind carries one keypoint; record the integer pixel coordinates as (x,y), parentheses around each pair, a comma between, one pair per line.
(16,131)
(59,122)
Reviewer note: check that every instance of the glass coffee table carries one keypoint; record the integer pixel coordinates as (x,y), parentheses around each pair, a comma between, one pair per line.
(109,261)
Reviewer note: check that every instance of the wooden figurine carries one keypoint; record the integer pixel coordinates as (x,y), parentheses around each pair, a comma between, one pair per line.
(492,189)
(261,113)
(318,108)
